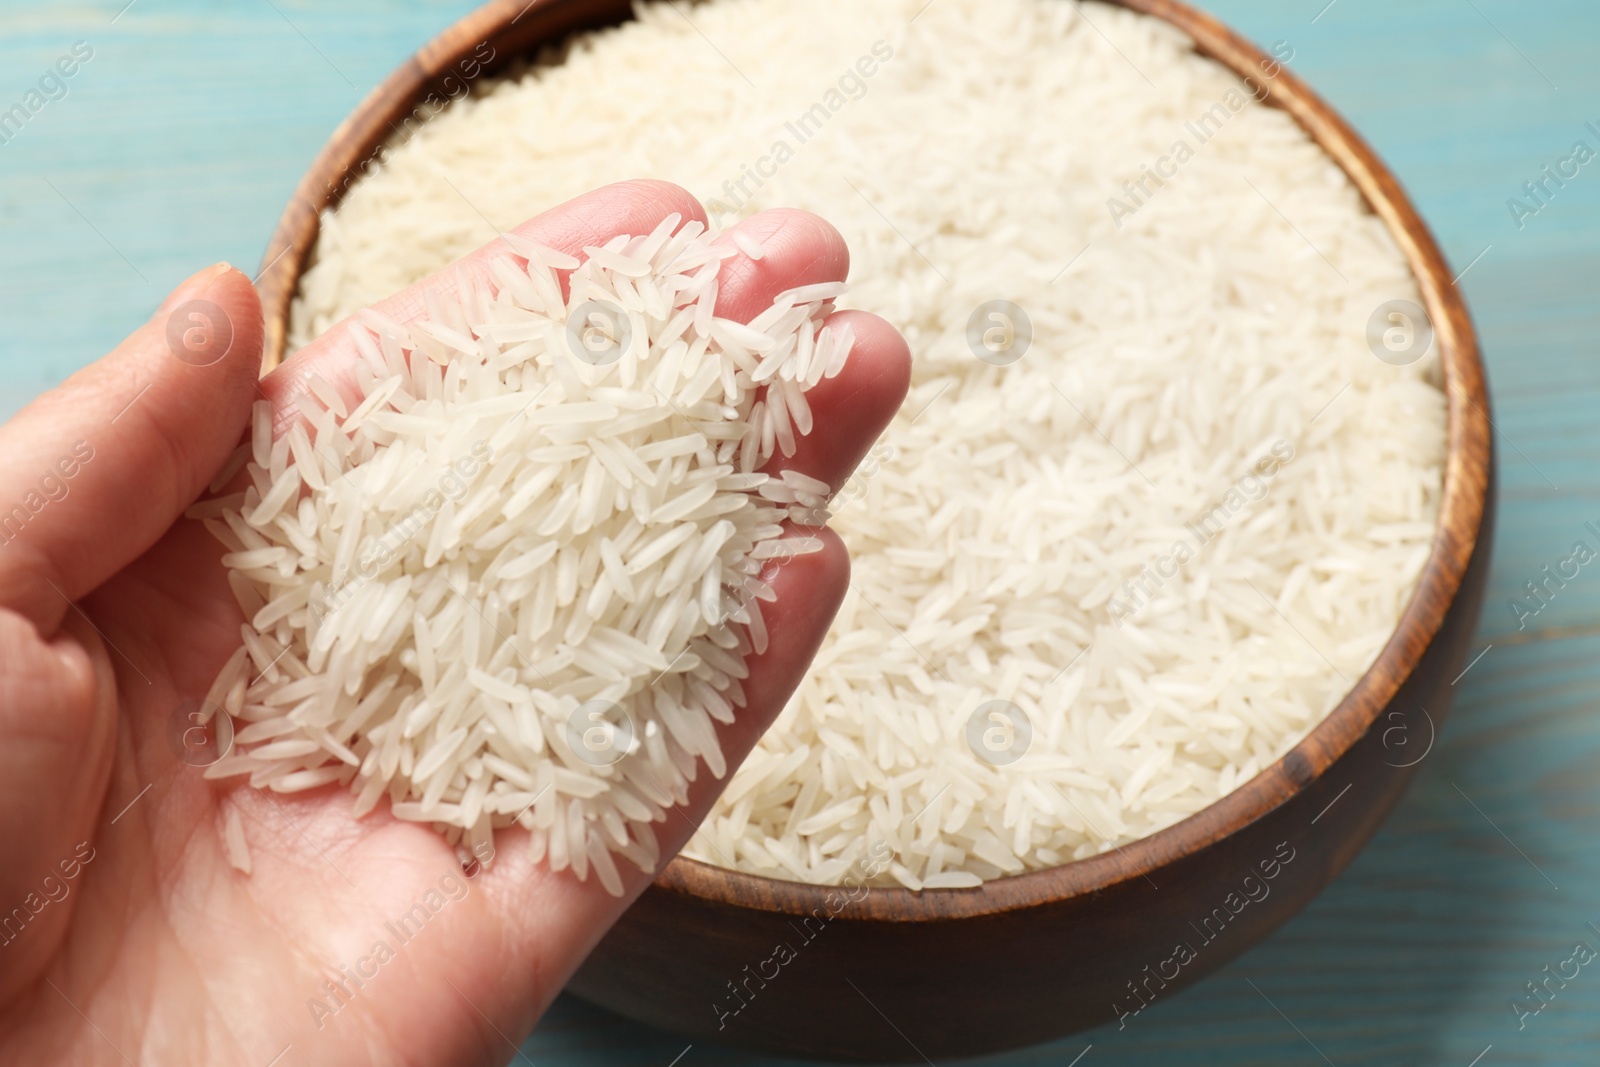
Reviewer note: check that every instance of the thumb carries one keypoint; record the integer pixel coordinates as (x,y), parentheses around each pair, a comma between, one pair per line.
(94,471)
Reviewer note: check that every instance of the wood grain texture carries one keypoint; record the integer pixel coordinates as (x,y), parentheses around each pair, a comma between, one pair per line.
(203,119)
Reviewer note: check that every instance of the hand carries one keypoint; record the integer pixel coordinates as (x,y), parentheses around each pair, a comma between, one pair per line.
(125,935)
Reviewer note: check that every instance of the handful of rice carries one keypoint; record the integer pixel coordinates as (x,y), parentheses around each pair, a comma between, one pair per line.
(512,575)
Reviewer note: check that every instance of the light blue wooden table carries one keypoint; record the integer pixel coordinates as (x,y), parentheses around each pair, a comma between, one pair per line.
(178,143)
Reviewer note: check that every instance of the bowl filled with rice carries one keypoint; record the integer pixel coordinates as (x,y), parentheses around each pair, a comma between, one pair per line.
(1163,571)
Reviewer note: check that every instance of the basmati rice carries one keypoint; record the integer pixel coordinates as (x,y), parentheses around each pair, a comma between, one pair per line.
(233,842)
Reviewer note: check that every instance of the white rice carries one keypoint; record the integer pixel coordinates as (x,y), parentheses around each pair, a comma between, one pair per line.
(995,526)
(510,571)
(233,842)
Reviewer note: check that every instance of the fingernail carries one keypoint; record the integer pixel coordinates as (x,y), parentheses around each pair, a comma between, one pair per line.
(198,331)
(192,286)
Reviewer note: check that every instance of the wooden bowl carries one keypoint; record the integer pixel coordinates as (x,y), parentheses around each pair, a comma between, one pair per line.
(899,976)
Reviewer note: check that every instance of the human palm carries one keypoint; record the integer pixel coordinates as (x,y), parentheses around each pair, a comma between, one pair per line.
(126,935)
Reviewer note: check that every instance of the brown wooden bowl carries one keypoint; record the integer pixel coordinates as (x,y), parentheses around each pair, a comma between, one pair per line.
(898,975)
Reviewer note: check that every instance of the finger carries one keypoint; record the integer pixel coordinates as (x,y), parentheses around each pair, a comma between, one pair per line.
(97,469)
(632,207)
(850,410)
(798,248)
(809,589)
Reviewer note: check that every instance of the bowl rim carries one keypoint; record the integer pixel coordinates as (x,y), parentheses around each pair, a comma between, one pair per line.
(1462,507)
